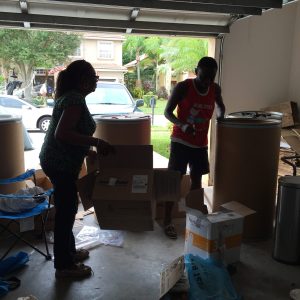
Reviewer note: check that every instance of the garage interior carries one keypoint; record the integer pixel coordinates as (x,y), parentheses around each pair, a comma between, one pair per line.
(257,46)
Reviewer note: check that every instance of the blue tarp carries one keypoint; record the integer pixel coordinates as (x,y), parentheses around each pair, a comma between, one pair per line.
(208,279)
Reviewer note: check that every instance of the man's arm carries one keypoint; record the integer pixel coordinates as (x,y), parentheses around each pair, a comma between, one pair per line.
(176,97)
(220,109)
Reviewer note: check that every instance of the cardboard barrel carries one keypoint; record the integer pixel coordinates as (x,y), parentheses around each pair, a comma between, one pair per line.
(11,152)
(124,130)
(246,168)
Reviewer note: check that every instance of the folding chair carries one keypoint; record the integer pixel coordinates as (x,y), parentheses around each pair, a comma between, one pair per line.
(40,210)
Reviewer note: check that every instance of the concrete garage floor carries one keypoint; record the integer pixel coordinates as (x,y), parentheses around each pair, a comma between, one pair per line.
(132,272)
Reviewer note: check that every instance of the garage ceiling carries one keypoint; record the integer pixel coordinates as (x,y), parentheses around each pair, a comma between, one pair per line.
(157,17)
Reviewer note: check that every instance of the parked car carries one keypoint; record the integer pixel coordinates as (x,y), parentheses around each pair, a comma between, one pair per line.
(110,98)
(33,117)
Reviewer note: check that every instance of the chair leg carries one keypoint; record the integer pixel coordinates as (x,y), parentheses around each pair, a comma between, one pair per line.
(19,237)
(48,256)
(9,249)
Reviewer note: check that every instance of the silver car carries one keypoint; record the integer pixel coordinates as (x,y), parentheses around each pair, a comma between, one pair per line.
(110,98)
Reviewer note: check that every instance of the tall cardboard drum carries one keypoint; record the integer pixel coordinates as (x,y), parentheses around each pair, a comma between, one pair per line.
(11,152)
(246,168)
(124,130)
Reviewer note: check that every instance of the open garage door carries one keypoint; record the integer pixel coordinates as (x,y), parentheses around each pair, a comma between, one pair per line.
(159,17)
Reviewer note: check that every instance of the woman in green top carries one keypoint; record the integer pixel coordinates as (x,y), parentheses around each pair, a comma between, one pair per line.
(67,142)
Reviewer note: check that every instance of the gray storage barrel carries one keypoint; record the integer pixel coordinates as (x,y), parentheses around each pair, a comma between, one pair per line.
(11,152)
(256,114)
(246,167)
(287,228)
(130,129)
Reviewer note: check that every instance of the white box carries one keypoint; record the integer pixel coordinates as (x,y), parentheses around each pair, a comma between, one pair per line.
(217,235)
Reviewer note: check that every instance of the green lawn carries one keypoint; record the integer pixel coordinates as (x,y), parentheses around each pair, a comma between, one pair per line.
(160,135)
(160,139)
(158,110)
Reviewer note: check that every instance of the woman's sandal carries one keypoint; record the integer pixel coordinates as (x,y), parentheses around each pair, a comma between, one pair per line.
(81,255)
(170,231)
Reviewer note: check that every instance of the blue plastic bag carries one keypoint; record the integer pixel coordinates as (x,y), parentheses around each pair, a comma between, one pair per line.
(12,263)
(208,279)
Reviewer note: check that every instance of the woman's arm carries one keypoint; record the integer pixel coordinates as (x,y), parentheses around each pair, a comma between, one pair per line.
(67,133)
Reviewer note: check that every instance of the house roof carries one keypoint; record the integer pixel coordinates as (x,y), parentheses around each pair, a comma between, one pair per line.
(158,17)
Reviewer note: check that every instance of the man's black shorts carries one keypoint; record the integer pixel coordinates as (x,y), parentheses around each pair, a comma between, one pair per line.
(181,156)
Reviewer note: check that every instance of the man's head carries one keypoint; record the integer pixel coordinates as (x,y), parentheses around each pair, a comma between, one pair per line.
(206,69)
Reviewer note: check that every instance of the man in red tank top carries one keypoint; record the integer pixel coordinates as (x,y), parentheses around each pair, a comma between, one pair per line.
(195,101)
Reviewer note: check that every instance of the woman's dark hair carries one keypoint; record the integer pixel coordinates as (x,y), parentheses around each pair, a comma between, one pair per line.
(208,62)
(70,78)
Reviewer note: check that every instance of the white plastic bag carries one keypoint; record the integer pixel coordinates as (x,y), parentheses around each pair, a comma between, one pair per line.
(15,203)
(90,236)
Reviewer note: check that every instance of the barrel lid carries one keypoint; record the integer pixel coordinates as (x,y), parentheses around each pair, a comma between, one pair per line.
(248,122)
(290,181)
(9,118)
(256,114)
(122,118)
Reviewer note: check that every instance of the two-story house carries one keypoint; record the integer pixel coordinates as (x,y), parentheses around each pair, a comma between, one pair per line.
(104,52)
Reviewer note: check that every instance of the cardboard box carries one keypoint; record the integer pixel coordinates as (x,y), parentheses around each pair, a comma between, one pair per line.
(125,189)
(216,235)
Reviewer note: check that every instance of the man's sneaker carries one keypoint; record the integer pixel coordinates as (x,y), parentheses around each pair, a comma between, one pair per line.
(170,231)
(76,271)
(81,255)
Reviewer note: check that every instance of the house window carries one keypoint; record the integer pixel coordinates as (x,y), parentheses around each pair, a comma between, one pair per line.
(105,49)
(77,52)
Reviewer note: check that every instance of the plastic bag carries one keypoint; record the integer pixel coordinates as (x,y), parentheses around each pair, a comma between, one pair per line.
(13,262)
(209,280)
(90,236)
(22,200)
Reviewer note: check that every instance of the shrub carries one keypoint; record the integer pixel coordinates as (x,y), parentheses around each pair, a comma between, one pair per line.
(162,93)
(148,86)
(148,97)
(39,101)
(138,93)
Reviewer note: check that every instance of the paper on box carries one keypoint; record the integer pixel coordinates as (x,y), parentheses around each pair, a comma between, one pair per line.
(170,275)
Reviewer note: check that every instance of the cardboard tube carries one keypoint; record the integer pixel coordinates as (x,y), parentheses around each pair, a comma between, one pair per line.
(121,130)
(11,152)
(246,168)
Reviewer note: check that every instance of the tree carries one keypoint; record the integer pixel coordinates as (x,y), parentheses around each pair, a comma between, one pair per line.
(154,50)
(183,54)
(29,49)
(134,46)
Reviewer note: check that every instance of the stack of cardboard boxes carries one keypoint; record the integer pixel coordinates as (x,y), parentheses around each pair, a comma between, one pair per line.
(124,188)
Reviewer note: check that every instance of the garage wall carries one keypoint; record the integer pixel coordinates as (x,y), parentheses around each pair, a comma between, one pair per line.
(294,87)
(261,63)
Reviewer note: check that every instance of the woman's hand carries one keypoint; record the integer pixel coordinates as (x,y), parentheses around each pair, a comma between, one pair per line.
(104,148)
